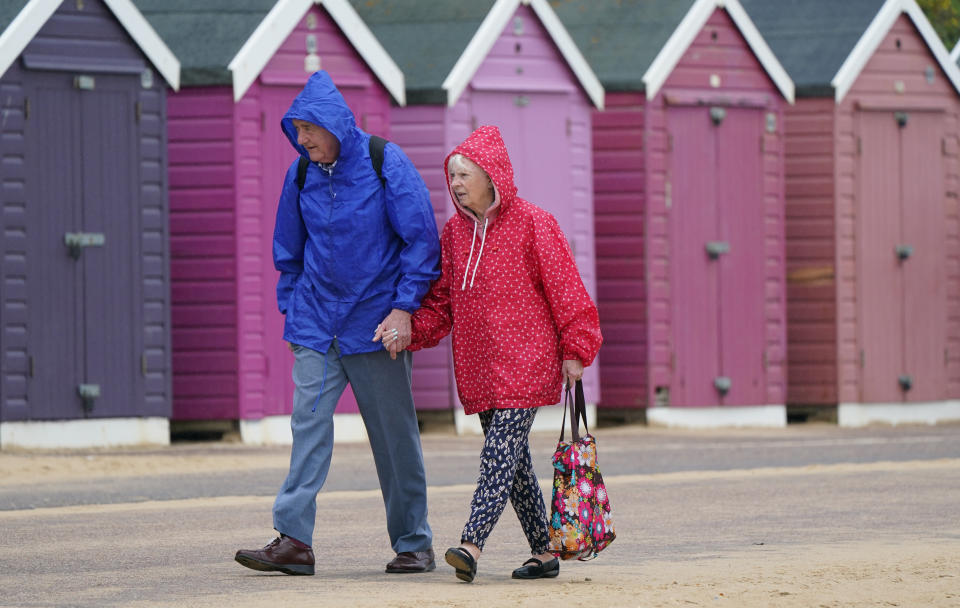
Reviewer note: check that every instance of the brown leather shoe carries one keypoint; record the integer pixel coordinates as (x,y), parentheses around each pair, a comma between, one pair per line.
(281,555)
(412,561)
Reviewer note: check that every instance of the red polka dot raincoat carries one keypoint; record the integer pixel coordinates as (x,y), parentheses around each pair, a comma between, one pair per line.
(511,293)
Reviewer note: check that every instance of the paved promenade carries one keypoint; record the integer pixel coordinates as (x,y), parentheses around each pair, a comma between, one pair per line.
(805,516)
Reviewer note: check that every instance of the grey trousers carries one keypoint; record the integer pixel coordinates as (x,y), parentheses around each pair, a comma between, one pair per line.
(382,388)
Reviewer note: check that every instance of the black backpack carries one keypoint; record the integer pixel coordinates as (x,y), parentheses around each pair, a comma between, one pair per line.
(377,144)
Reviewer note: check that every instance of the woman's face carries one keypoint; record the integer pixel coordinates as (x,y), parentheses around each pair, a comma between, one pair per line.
(470,185)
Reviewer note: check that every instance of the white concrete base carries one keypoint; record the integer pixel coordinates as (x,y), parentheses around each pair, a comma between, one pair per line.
(86,433)
(863,414)
(275,430)
(548,419)
(758,416)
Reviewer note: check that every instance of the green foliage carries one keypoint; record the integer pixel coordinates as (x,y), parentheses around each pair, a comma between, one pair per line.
(945,17)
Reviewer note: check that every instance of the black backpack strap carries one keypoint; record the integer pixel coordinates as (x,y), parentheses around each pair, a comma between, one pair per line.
(377,144)
(302,171)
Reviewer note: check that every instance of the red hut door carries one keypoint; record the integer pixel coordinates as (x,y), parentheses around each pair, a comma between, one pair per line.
(901,298)
(715,204)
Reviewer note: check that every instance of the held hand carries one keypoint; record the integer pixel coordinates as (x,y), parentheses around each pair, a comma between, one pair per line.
(394,332)
(572,371)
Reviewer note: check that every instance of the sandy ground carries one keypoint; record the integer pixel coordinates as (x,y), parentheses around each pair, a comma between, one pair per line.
(850,561)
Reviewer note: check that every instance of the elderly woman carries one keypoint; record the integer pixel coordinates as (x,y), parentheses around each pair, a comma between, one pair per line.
(522,324)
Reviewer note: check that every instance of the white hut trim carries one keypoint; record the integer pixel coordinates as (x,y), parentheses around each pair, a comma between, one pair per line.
(280,22)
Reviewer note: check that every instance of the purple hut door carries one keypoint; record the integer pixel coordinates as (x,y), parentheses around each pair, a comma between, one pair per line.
(85,299)
(54,316)
(716,249)
(901,308)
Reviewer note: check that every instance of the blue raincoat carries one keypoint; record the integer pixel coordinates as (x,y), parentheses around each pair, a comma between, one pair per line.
(348,249)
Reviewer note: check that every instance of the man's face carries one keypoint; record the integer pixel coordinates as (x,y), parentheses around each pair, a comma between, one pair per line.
(321,145)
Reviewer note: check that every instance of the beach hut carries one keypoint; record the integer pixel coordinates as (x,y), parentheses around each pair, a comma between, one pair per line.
(84,291)
(243,63)
(872,194)
(689,210)
(506,63)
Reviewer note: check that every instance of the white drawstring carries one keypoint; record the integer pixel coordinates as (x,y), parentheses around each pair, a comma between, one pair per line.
(483,239)
(470,257)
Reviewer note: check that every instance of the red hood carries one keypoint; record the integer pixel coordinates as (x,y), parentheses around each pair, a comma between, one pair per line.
(486,149)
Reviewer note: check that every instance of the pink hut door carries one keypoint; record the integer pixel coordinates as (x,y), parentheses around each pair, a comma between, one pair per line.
(534,128)
(900,259)
(716,249)
(277,156)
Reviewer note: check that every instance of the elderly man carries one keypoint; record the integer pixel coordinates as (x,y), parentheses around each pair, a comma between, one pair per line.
(356,245)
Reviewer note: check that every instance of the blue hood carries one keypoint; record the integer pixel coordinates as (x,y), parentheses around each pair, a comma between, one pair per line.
(349,247)
(322,104)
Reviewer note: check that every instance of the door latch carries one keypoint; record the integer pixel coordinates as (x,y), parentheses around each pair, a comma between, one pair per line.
(88,393)
(906,382)
(717,114)
(77,241)
(722,384)
(904,252)
(716,248)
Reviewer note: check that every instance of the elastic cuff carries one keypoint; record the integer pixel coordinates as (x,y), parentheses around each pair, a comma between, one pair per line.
(405,306)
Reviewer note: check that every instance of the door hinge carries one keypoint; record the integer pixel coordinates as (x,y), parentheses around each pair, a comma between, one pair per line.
(143,364)
(138,111)
(859,145)
(766,361)
(943,146)
(569,127)
(946,356)
(263,121)
(863,358)
(26,108)
(473,123)
(669,142)
(762,146)
(30,366)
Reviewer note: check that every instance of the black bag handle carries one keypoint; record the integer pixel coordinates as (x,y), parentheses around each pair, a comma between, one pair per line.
(578,410)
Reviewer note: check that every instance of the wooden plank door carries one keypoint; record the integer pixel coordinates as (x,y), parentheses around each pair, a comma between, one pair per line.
(277,156)
(901,298)
(534,126)
(52,137)
(716,252)
(924,272)
(85,309)
(112,287)
(741,282)
(694,275)
(880,282)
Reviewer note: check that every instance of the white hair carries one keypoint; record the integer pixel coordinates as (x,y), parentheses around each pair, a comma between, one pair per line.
(459,161)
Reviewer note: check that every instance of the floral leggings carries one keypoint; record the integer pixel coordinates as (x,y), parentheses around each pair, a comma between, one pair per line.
(505,464)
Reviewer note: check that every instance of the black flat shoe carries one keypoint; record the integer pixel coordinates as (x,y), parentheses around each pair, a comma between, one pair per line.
(534,568)
(463,562)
